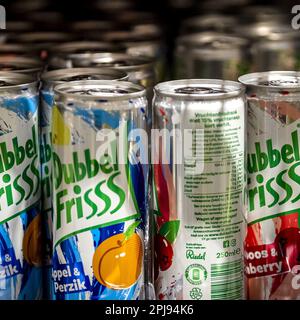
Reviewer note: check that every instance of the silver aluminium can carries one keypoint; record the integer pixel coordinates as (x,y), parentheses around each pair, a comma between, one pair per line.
(49,80)
(98,166)
(211,55)
(198,149)
(272,243)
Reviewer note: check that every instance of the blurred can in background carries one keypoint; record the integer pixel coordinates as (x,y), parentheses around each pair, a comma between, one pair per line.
(211,55)
(139,69)
(278,50)
(142,40)
(42,41)
(21,245)
(199,189)
(22,65)
(272,244)
(49,81)
(209,22)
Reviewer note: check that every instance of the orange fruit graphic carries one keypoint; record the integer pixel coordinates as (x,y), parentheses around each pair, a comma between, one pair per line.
(117,262)
(32,242)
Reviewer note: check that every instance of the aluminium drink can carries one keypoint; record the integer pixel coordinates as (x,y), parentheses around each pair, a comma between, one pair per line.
(139,69)
(142,40)
(49,81)
(100,189)
(198,190)
(211,55)
(272,243)
(20,224)
(58,54)
(277,50)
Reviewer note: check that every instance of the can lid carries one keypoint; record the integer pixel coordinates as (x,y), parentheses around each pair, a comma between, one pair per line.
(212,39)
(199,89)
(104,90)
(209,21)
(121,61)
(10,80)
(82,47)
(272,79)
(76,74)
(19,64)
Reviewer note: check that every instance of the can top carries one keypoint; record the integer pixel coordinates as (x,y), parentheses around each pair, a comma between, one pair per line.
(199,89)
(82,47)
(11,80)
(272,79)
(19,64)
(214,40)
(77,74)
(115,60)
(264,29)
(100,90)
(209,21)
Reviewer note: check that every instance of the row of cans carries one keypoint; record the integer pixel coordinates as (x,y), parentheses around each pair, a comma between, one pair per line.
(86,207)
(227,46)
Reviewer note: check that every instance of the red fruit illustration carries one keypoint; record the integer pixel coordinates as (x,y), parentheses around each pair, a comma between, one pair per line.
(164,252)
(288,244)
(288,247)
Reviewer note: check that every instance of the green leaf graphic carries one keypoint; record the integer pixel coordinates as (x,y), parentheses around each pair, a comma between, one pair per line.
(170,230)
(131,229)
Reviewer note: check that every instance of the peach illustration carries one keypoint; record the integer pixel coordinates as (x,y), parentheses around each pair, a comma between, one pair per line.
(32,242)
(117,262)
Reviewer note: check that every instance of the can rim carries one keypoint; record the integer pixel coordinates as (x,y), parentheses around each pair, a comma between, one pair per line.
(61,88)
(27,80)
(55,75)
(141,62)
(197,39)
(252,79)
(237,89)
(27,65)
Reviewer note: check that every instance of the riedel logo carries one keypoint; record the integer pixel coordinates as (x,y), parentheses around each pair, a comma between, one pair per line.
(296,19)
(2,17)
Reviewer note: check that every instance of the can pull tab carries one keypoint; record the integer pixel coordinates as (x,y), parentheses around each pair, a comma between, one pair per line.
(198,90)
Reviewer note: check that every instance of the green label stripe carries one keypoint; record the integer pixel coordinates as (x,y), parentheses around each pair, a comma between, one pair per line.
(227,280)
(276,215)
(36,204)
(132,217)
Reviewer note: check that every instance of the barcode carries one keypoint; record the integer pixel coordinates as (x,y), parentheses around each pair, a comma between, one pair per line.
(227,281)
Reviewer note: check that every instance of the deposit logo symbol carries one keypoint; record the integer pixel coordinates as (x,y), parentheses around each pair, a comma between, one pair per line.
(195,274)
